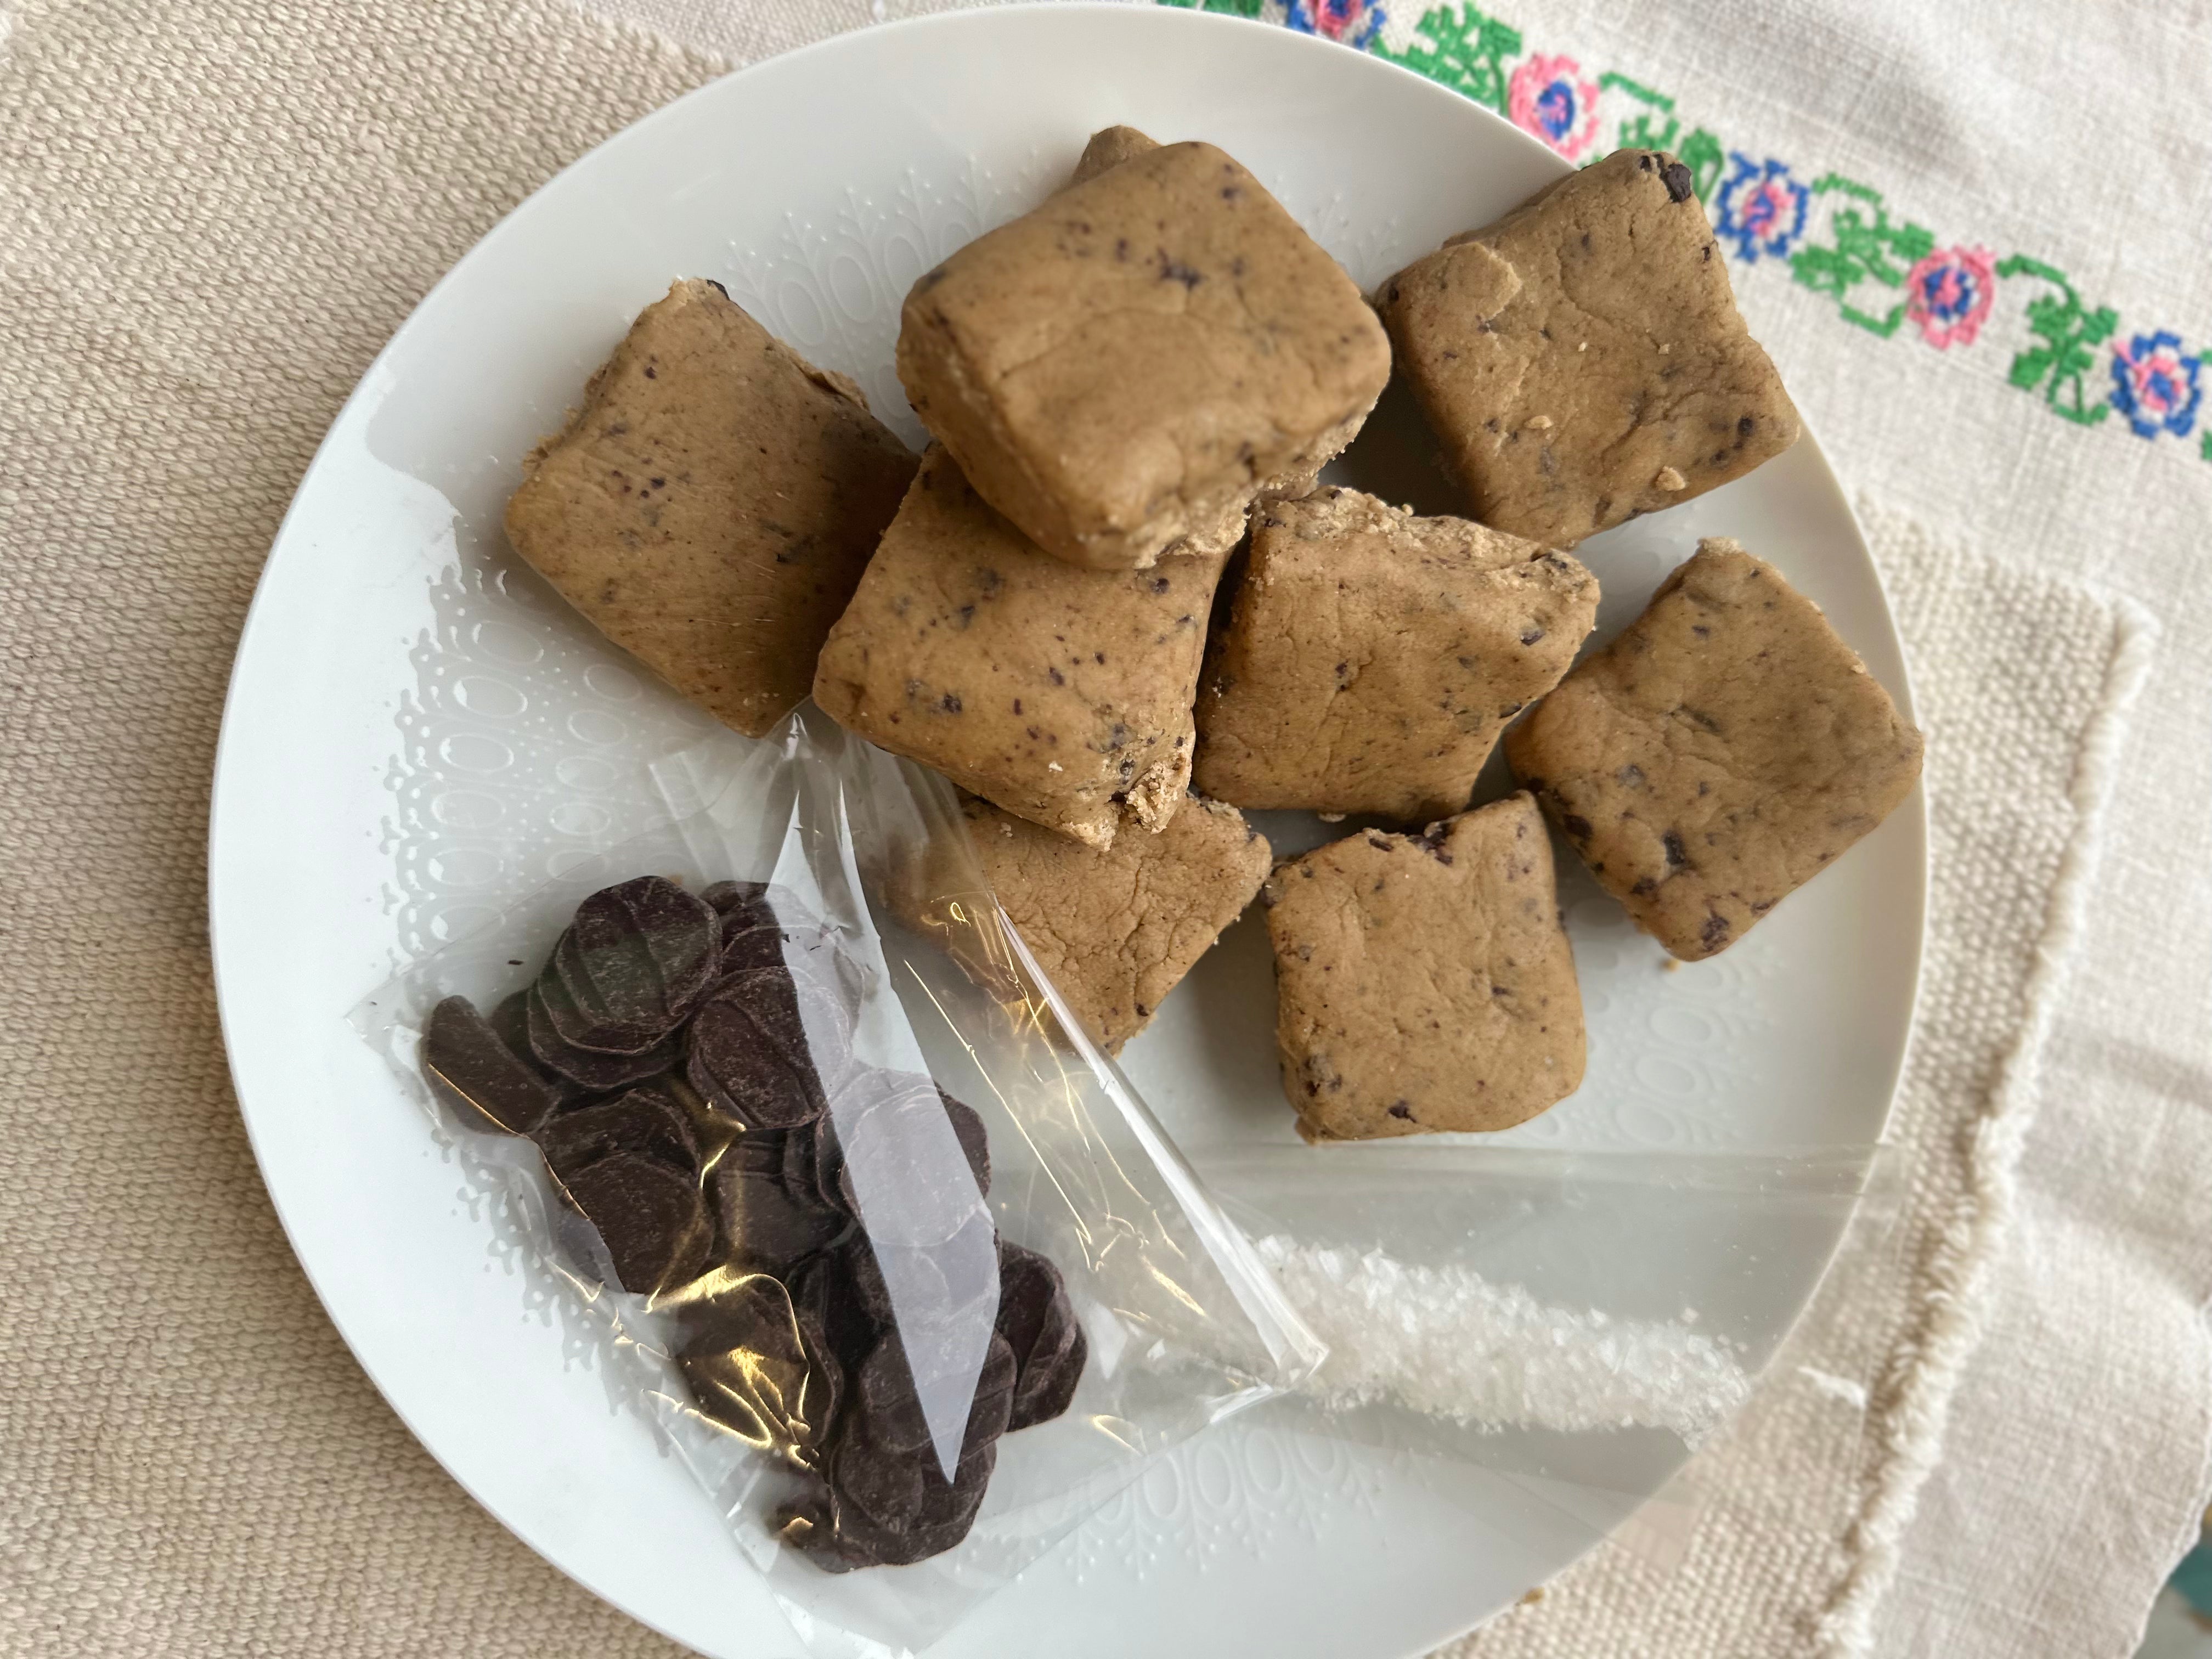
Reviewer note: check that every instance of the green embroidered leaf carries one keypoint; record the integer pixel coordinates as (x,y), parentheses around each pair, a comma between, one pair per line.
(1884,325)
(1701,153)
(1656,126)
(1861,250)
(1458,47)
(1639,132)
(2070,333)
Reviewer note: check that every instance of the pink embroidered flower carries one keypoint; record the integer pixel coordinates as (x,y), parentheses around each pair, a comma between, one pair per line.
(1553,98)
(1355,22)
(1949,293)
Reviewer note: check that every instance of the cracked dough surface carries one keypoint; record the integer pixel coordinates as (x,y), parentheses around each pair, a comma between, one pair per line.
(1583,359)
(1060,694)
(711,504)
(1723,750)
(1116,931)
(1372,658)
(1137,359)
(1425,983)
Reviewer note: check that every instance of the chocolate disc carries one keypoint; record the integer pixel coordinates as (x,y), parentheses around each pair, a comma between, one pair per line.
(885,1403)
(729,1063)
(647,1120)
(884,1484)
(945,1282)
(740,1349)
(748,944)
(594,1071)
(1039,1323)
(808,1522)
(975,1140)
(647,1216)
(472,1070)
(725,897)
(1032,1299)
(937,1523)
(583,1015)
(967,1128)
(832,1318)
(761,1151)
(801,1150)
(823,1158)
(725,1311)
(948,1509)
(1047,1385)
(634,961)
(510,1021)
(763,1227)
(896,1122)
(682,934)
(764,1046)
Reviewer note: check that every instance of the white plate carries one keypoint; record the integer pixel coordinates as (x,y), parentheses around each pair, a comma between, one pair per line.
(404,698)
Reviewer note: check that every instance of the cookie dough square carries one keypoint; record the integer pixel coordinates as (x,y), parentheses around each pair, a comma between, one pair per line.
(1372,658)
(1133,363)
(1425,983)
(1582,360)
(1722,751)
(711,504)
(1060,694)
(1116,931)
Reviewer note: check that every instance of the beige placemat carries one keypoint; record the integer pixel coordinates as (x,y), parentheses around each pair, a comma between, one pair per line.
(2024,687)
(212,216)
(212,213)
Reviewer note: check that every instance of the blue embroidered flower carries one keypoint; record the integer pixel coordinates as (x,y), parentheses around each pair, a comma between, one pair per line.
(1553,98)
(2155,386)
(1762,208)
(1355,22)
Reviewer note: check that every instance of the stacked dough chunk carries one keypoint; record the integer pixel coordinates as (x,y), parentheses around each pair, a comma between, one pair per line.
(1114,381)
(1125,388)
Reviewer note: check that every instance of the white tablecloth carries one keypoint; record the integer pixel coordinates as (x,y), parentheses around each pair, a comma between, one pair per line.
(212,213)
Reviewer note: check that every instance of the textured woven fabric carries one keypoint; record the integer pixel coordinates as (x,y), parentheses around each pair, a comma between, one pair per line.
(212,218)
(2024,685)
(213,212)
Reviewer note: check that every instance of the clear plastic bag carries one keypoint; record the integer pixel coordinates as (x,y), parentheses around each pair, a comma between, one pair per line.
(895,1260)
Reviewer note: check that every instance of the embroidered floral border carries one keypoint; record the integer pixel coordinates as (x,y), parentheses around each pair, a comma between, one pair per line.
(1834,235)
